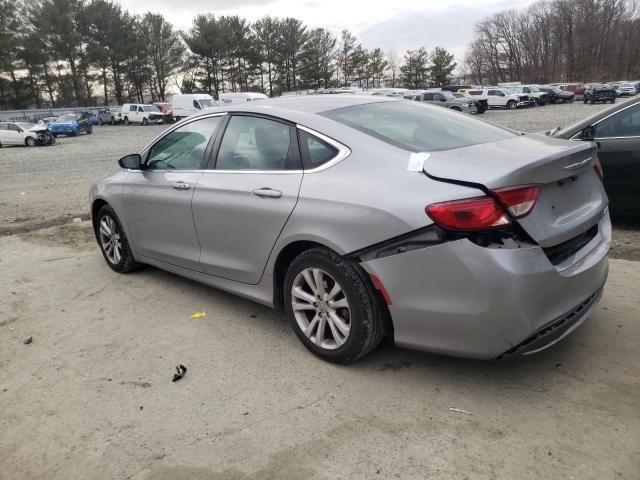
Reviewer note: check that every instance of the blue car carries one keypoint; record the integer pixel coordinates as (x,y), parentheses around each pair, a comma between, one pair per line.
(71,124)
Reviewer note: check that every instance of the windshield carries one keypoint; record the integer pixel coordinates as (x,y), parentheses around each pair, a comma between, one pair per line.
(66,118)
(534,89)
(207,103)
(150,108)
(418,127)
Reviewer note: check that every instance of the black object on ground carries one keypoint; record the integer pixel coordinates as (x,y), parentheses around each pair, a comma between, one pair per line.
(180,371)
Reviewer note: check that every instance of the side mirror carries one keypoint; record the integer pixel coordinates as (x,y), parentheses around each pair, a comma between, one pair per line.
(131,162)
(588,133)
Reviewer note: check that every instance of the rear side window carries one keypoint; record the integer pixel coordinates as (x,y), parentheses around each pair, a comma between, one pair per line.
(256,143)
(475,92)
(315,152)
(418,127)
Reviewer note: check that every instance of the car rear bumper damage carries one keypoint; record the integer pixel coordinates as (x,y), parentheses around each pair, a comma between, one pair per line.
(487,302)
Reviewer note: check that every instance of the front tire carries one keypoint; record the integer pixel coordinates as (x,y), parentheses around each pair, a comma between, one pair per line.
(113,241)
(332,307)
(30,142)
(90,130)
(145,122)
(126,120)
(512,105)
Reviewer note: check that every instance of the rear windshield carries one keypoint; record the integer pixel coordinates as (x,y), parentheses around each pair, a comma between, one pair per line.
(418,127)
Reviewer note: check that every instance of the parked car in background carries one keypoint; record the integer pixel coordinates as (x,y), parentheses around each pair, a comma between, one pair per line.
(166,110)
(141,113)
(240,97)
(111,116)
(625,89)
(598,92)
(389,92)
(616,133)
(487,246)
(501,98)
(24,133)
(185,105)
(556,95)
(71,124)
(448,100)
(536,96)
(576,88)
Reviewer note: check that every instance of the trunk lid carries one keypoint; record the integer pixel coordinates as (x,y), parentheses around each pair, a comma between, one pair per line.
(572,198)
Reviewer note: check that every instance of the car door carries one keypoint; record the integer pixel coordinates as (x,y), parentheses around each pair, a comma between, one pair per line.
(618,139)
(14,135)
(494,99)
(243,201)
(158,197)
(4,133)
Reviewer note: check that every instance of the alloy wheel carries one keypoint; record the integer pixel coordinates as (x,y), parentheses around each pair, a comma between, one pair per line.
(321,308)
(110,239)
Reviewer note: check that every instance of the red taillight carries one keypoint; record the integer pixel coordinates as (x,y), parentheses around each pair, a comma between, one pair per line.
(381,289)
(519,201)
(598,168)
(472,214)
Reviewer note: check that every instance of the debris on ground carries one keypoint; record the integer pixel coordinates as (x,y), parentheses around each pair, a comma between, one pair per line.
(459,410)
(180,371)
(198,315)
(27,340)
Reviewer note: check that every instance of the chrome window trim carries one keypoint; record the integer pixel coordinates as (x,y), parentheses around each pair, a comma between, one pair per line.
(603,119)
(343,150)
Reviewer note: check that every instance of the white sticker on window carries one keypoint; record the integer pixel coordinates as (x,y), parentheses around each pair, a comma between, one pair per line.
(416,161)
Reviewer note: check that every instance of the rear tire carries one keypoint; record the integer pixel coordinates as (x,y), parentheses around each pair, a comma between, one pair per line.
(113,241)
(354,309)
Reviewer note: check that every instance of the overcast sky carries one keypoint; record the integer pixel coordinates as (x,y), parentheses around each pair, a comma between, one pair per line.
(389,24)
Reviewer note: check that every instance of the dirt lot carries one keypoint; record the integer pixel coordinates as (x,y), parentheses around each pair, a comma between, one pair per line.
(91,396)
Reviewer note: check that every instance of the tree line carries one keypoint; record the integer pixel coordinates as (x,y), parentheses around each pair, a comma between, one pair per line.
(557,40)
(88,52)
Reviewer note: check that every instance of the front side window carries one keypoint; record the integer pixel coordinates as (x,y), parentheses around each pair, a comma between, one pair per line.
(316,152)
(254,143)
(493,92)
(428,97)
(184,147)
(140,109)
(623,124)
(14,127)
(415,127)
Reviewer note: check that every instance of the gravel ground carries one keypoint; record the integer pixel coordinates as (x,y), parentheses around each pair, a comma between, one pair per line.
(91,396)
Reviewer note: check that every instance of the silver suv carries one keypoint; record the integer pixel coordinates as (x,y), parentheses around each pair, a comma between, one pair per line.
(445,99)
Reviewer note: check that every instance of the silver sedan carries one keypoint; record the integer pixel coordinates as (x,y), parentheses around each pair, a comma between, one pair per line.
(363,217)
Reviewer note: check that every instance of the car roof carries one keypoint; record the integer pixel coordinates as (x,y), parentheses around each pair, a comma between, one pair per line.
(308,103)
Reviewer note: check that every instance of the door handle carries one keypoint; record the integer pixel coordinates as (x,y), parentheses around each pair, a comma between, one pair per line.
(267,193)
(181,186)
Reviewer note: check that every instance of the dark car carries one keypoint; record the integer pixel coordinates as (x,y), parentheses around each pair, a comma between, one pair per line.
(556,95)
(71,124)
(597,92)
(616,132)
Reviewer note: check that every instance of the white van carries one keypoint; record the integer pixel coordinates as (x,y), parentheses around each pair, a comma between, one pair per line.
(141,113)
(187,104)
(240,97)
